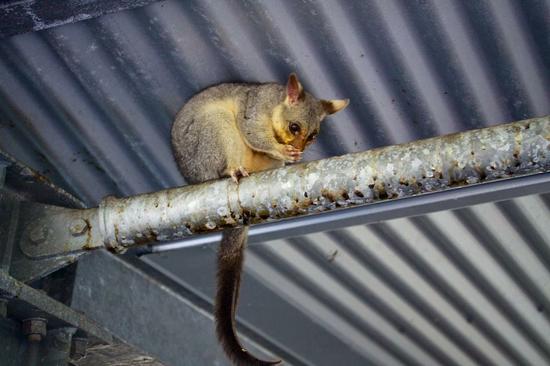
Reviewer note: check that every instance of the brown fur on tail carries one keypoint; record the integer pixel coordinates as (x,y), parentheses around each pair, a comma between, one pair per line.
(230,264)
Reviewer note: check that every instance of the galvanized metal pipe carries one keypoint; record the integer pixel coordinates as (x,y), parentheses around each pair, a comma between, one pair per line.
(417,168)
(425,166)
(503,189)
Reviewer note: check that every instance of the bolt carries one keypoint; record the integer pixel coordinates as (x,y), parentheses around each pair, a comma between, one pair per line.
(78,227)
(38,234)
(34,329)
(78,348)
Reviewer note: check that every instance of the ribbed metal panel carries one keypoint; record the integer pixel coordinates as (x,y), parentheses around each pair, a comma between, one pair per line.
(90,105)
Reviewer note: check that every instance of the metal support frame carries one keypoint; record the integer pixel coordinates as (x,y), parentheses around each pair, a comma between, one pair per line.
(25,299)
(37,321)
(24,187)
(49,326)
(421,169)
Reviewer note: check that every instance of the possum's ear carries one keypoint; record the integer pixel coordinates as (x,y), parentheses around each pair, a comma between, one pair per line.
(334,105)
(294,90)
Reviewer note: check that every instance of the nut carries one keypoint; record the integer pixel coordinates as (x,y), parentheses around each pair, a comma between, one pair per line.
(78,227)
(34,328)
(38,234)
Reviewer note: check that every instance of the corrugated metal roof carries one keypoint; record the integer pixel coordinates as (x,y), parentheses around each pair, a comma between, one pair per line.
(90,105)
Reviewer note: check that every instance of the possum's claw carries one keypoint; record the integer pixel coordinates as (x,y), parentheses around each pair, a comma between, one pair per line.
(292,154)
(237,173)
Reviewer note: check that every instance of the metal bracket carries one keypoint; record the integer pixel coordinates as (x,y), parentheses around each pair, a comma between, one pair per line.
(20,189)
(51,231)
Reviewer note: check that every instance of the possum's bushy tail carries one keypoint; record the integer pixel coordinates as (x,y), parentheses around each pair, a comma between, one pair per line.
(230,264)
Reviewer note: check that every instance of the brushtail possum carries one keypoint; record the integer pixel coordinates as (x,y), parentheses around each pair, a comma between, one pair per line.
(231,130)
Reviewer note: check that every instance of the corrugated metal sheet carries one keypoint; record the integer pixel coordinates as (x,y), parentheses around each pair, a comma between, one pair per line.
(90,105)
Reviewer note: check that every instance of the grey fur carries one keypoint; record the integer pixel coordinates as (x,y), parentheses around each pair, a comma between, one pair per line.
(196,135)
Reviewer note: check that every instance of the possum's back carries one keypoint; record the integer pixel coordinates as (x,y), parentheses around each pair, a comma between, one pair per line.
(200,127)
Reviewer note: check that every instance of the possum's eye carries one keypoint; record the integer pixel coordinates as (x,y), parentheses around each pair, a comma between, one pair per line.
(294,128)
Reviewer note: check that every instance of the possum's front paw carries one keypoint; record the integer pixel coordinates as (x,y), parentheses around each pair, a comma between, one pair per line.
(290,153)
(237,173)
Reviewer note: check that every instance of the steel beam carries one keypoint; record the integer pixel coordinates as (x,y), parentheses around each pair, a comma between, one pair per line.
(178,331)
(417,169)
(51,345)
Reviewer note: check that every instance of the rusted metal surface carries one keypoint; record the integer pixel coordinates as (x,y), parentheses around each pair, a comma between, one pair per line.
(424,166)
